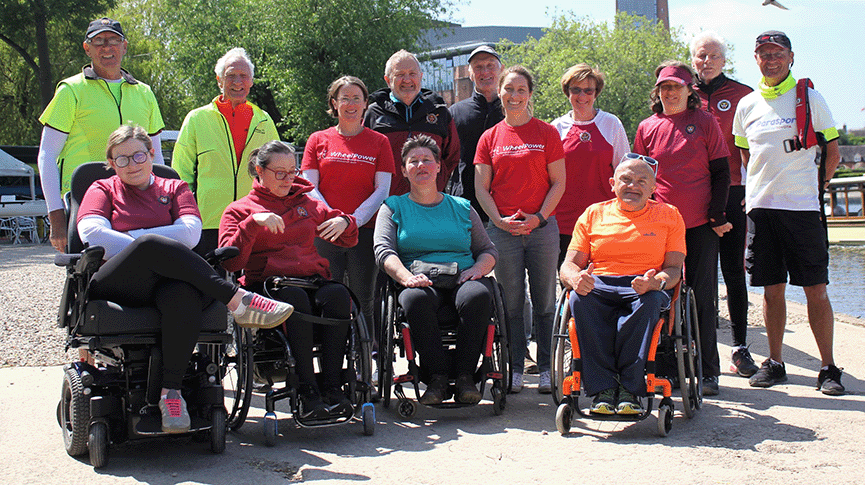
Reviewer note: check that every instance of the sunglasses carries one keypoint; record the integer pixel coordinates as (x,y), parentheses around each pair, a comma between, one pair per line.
(649,160)
(282,174)
(587,91)
(123,160)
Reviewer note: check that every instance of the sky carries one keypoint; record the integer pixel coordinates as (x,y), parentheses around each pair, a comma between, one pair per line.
(826,35)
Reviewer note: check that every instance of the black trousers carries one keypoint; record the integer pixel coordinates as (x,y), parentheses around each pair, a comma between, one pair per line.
(701,274)
(161,272)
(731,249)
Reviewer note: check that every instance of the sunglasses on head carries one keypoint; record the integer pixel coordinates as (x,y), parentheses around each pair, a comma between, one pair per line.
(649,160)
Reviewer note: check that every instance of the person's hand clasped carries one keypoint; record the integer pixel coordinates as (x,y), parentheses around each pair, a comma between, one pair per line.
(331,229)
(417,281)
(585,282)
(722,229)
(645,283)
(519,224)
(270,221)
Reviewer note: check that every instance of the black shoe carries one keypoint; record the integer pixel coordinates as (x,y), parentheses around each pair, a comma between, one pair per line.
(710,386)
(311,405)
(337,401)
(435,390)
(742,363)
(467,392)
(829,381)
(770,373)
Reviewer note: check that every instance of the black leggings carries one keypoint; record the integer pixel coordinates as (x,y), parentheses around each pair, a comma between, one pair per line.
(161,272)
(331,301)
(473,300)
(732,253)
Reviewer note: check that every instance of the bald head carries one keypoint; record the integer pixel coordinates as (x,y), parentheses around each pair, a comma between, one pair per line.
(633,183)
(637,165)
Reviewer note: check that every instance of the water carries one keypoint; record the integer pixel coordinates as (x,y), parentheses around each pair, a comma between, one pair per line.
(846,281)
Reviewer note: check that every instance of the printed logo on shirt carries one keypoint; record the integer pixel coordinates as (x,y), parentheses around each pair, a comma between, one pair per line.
(258,129)
(301,211)
(650,234)
(585,137)
(432,118)
(725,105)
(517,149)
(164,200)
(690,129)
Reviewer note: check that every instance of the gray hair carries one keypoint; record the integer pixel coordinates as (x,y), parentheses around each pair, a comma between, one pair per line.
(232,54)
(710,37)
(398,56)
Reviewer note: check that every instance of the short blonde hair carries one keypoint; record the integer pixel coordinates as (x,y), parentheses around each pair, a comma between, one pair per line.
(124,133)
(581,72)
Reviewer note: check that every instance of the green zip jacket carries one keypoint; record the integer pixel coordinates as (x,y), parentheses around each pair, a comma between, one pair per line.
(204,157)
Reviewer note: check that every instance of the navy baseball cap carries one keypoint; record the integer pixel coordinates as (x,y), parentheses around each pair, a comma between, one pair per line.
(104,24)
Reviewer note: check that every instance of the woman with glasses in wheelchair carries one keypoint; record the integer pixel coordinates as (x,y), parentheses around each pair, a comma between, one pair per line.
(274,227)
(147,226)
(426,226)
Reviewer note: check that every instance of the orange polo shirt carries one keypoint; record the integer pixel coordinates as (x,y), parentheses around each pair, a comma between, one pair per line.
(238,122)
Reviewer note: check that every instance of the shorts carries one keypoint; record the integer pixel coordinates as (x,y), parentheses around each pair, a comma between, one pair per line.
(785,241)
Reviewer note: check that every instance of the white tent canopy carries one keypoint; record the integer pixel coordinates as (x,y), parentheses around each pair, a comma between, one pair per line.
(12,167)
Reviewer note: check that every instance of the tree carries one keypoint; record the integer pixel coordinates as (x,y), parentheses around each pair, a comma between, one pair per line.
(627,53)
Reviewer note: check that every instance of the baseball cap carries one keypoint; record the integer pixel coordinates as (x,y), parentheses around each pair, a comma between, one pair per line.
(773,37)
(486,49)
(104,24)
(677,74)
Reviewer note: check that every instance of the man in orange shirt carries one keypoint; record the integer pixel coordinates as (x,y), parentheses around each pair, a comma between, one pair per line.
(624,254)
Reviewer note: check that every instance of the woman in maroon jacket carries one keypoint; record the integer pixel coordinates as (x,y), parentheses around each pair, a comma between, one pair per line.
(274,228)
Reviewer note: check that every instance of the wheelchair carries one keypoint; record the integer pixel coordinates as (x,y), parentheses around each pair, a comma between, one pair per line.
(396,337)
(273,362)
(676,337)
(113,396)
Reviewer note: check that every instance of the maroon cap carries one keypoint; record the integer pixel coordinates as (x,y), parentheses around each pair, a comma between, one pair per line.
(773,37)
(677,74)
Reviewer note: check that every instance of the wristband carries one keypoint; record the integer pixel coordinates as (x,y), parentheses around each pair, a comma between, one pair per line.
(662,285)
(347,220)
(541,218)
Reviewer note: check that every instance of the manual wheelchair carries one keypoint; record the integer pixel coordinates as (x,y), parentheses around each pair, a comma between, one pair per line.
(676,337)
(273,362)
(112,396)
(396,337)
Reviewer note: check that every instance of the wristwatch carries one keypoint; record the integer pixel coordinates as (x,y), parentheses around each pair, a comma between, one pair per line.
(663,285)
(541,218)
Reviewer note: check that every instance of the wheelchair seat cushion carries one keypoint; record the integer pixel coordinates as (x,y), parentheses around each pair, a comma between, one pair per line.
(104,317)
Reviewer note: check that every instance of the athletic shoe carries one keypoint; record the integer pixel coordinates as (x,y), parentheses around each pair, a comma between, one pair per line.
(257,311)
(628,403)
(710,386)
(742,363)
(544,386)
(516,382)
(337,401)
(175,417)
(829,381)
(311,405)
(435,390)
(604,402)
(770,373)
(531,367)
(467,392)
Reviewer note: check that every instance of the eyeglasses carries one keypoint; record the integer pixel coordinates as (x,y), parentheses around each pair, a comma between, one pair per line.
(282,174)
(587,91)
(347,100)
(123,160)
(101,41)
(649,160)
(768,56)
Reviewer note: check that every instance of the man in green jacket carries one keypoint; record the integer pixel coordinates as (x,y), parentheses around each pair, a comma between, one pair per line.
(215,141)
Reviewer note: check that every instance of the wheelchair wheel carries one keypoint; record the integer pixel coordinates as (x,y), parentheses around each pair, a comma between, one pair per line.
(368,416)
(236,366)
(688,353)
(74,413)
(560,348)
(362,357)
(564,415)
(665,416)
(217,430)
(501,348)
(499,399)
(98,444)
(271,429)
(406,409)
(386,346)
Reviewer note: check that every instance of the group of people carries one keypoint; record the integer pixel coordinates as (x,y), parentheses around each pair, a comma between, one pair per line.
(483,185)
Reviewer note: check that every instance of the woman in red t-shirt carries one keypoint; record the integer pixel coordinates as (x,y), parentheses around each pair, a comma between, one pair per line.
(147,226)
(350,167)
(519,179)
(694,176)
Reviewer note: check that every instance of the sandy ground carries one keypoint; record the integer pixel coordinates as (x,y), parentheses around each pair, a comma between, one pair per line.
(745,435)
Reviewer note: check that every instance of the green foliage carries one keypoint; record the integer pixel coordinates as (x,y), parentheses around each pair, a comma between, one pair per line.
(847,138)
(626,53)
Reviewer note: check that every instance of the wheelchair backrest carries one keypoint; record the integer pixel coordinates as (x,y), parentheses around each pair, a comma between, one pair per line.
(82,178)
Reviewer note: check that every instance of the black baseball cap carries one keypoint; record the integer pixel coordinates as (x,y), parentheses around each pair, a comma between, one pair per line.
(485,49)
(104,24)
(773,37)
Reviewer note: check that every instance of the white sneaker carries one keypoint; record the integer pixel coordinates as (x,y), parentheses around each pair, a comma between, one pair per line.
(257,311)
(544,386)
(516,382)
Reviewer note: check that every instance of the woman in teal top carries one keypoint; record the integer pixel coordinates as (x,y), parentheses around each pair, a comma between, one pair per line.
(429,226)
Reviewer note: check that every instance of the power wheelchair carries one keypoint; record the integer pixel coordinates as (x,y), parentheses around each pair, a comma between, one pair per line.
(396,337)
(273,362)
(112,397)
(675,338)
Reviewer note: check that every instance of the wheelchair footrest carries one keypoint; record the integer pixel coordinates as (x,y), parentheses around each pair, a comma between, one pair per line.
(150,424)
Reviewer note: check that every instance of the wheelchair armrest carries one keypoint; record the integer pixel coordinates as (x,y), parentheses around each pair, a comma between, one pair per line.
(219,255)
(66,260)
(85,262)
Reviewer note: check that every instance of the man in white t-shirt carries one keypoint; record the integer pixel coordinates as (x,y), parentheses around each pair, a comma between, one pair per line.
(785,234)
